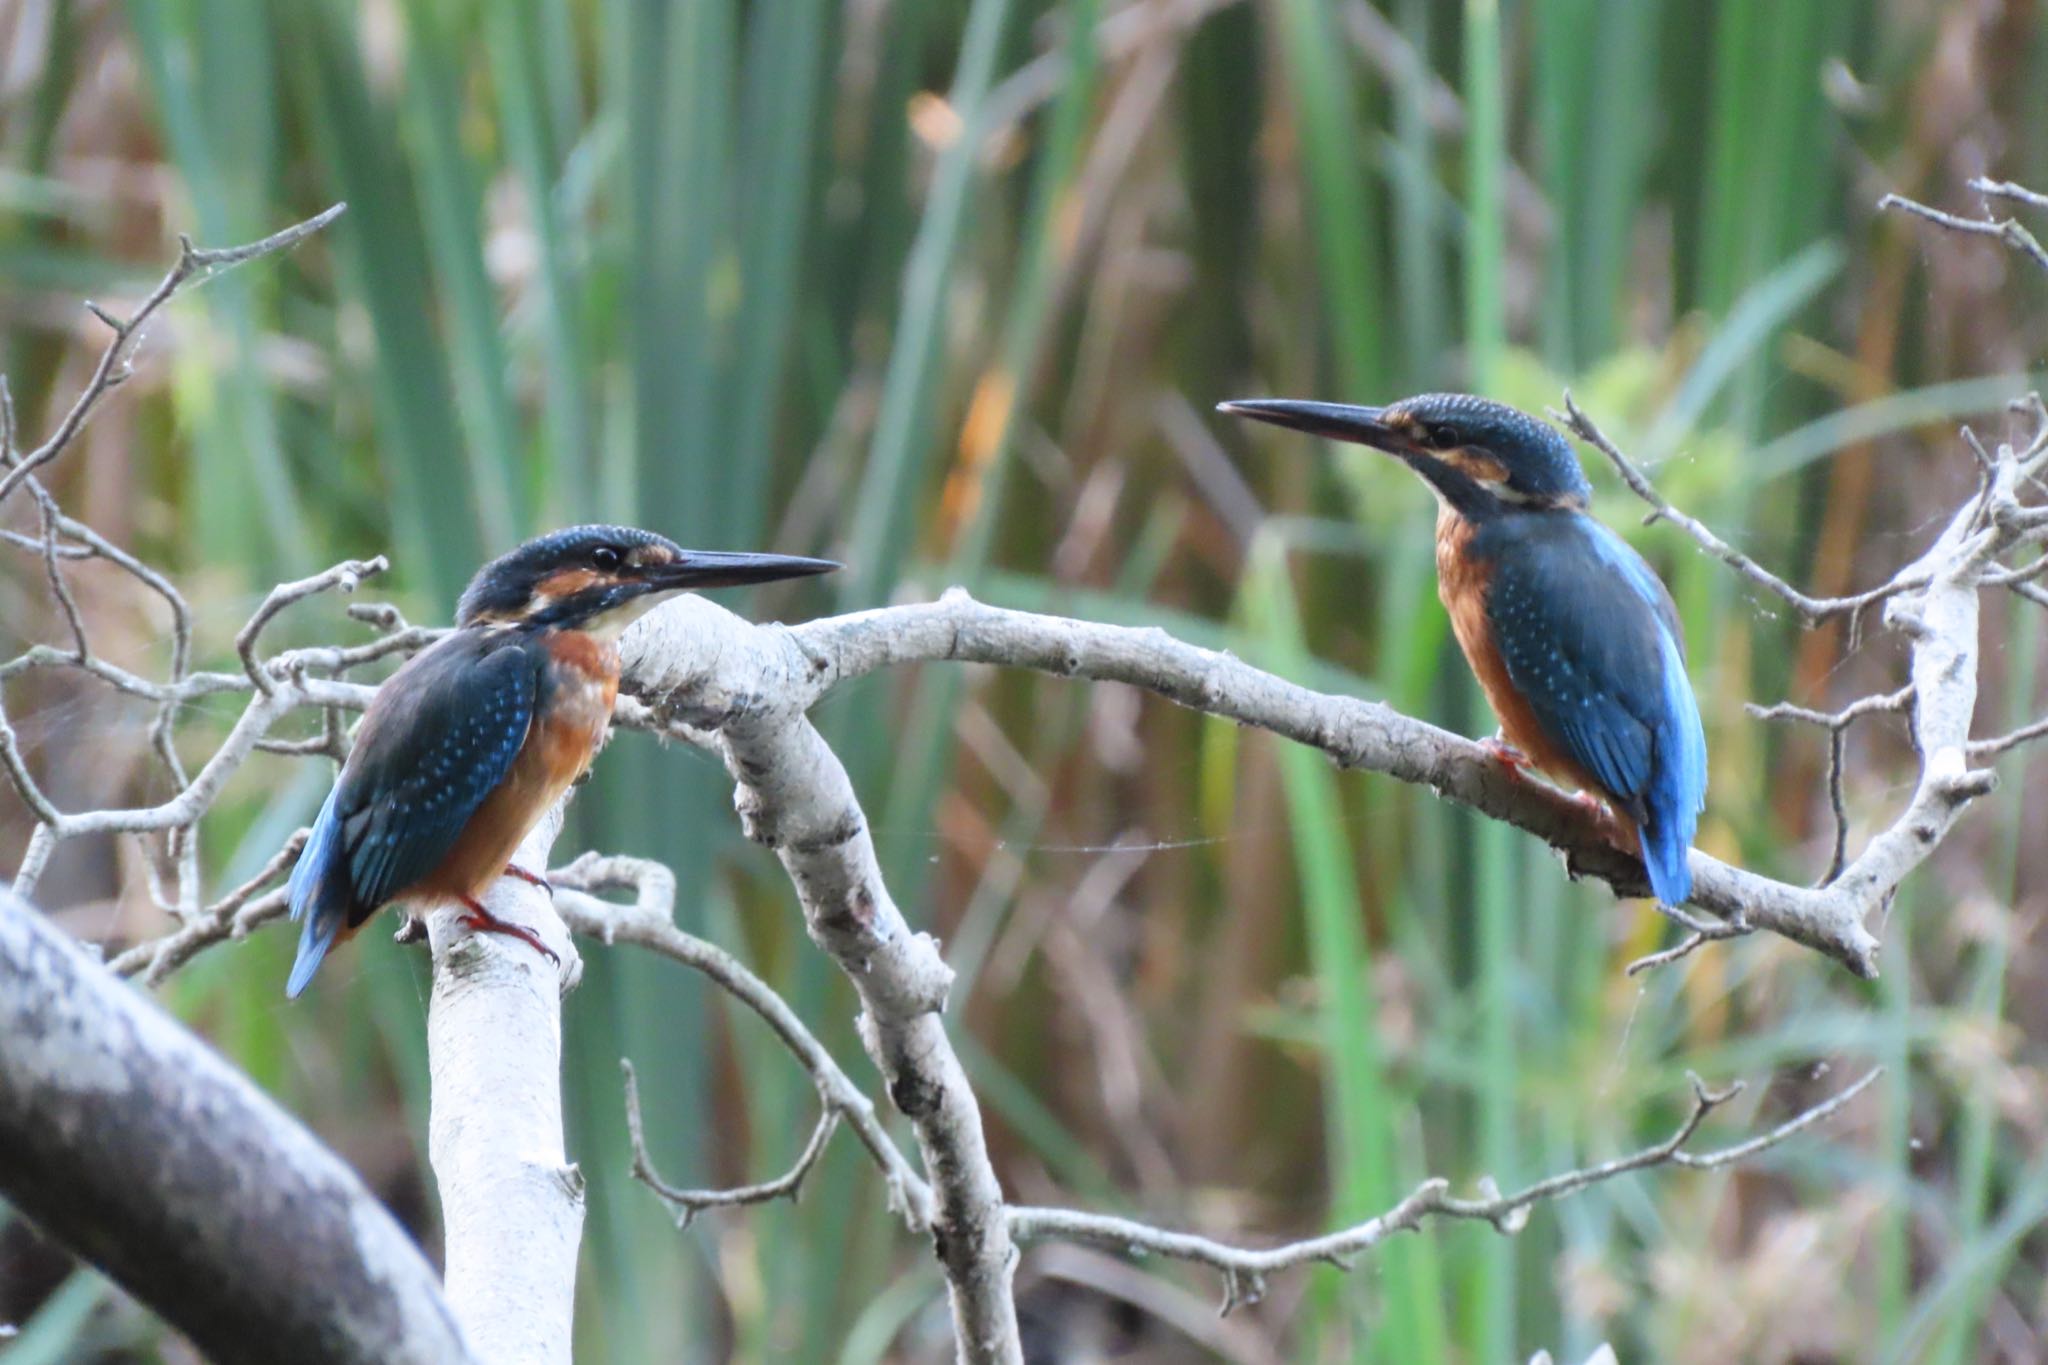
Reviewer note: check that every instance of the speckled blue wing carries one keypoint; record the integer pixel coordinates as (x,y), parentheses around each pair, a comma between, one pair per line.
(441,735)
(1590,637)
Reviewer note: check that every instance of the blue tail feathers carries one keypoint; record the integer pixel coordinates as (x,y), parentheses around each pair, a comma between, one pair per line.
(1679,789)
(319,894)
(1665,846)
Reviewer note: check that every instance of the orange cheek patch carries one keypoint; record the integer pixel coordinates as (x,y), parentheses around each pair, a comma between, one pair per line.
(1474,465)
(567,582)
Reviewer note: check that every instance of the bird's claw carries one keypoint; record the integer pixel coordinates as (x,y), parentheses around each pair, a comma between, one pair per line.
(530,878)
(482,920)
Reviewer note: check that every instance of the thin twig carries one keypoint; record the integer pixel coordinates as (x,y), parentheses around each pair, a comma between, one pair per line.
(1812,610)
(1835,720)
(1699,933)
(113,364)
(649,923)
(232,916)
(1245,1269)
(1837,724)
(347,576)
(2007,230)
(687,1204)
(1981,749)
(2006,189)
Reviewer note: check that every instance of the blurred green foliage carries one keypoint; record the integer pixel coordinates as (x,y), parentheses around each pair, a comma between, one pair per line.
(947,290)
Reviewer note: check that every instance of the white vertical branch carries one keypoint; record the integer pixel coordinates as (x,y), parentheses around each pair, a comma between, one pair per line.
(511,1200)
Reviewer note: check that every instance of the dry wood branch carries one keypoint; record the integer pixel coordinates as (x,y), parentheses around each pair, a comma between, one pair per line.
(689,1203)
(744,688)
(494,1131)
(1244,1270)
(650,923)
(232,916)
(1812,610)
(818,655)
(241,1229)
(193,263)
(65,539)
(1837,724)
(2005,189)
(347,576)
(2008,231)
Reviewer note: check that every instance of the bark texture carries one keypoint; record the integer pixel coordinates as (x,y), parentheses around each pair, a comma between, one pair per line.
(129,1140)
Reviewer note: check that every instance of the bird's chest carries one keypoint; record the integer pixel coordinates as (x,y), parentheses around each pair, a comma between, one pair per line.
(1461,579)
(582,683)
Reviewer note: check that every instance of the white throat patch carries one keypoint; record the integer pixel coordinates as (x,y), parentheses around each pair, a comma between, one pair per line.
(608,626)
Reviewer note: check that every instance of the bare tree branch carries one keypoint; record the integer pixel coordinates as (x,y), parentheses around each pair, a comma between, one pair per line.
(1244,1270)
(132,1142)
(804,662)
(193,263)
(650,923)
(1811,609)
(795,797)
(689,1203)
(347,576)
(2008,231)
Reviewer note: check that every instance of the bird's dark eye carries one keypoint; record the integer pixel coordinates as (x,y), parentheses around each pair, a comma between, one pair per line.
(1444,436)
(605,557)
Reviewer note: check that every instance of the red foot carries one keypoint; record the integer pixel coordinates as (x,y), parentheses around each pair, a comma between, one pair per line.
(1612,827)
(1507,755)
(530,878)
(484,921)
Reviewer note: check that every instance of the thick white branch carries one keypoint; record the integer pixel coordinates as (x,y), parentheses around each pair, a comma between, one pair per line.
(511,1201)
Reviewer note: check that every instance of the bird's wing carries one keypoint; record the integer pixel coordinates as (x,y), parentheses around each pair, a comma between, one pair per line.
(424,762)
(1589,636)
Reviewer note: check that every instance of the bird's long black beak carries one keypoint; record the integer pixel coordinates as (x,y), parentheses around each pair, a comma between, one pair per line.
(730,569)
(1335,421)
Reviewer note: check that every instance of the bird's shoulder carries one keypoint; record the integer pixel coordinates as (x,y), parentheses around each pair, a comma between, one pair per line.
(466,677)
(1570,561)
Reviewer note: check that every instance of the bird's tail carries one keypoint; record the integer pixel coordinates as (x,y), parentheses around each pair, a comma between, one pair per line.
(318,895)
(1680,788)
(1665,844)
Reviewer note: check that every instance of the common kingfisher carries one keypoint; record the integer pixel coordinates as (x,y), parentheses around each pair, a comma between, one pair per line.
(1573,638)
(465,747)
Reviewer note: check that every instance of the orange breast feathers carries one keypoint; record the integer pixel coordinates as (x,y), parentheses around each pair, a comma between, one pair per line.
(1461,580)
(575,709)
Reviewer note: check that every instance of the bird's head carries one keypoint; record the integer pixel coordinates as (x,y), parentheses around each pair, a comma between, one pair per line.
(601,578)
(1480,456)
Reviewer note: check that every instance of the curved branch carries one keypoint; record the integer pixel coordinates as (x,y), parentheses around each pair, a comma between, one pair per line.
(689,1203)
(650,923)
(241,1229)
(707,669)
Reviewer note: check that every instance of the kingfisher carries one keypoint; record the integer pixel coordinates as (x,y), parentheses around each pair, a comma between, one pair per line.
(464,748)
(1573,638)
